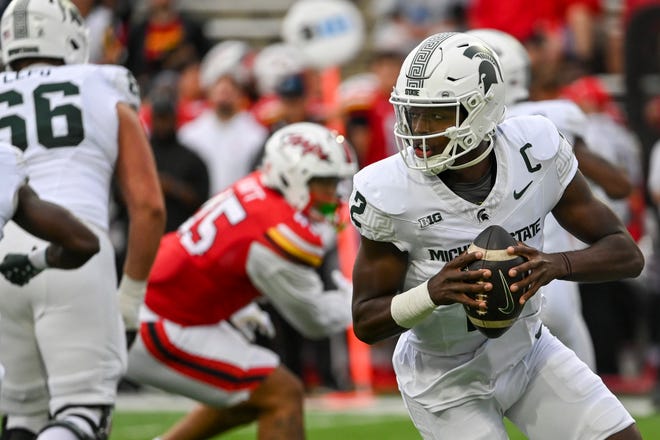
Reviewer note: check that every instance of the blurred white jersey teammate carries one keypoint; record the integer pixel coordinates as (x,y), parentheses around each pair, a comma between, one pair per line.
(63,342)
(562,309)
(71,243)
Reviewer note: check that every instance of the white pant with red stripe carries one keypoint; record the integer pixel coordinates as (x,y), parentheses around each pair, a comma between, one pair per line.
(212,364)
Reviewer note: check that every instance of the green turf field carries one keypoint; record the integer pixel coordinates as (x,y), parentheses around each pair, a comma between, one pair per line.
(319,426)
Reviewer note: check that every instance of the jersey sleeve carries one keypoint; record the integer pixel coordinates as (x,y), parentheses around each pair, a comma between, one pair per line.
(122,83)
(296,241)
(573,121)
(654,169)
(12,176)
(371,213)
(371,222)
(567,164)
(297,293)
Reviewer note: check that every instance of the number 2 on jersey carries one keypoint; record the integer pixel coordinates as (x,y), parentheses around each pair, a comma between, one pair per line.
(198,233)
(45,115)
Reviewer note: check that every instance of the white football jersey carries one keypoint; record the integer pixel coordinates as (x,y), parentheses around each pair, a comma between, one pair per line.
(12,177)
(64,118)
(615,143)
(566,115)
(421,216)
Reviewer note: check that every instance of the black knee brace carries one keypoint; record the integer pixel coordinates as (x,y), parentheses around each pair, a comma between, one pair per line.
(15,433)
(101,431)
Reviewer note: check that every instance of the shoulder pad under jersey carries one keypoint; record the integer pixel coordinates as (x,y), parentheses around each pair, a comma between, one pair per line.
(536,130)
(569,119)
(123,81)
(384,184)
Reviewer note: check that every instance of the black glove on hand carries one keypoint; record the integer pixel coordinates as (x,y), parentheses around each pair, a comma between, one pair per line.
(18,269)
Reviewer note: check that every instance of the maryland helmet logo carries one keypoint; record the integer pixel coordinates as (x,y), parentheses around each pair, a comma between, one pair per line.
(308,146)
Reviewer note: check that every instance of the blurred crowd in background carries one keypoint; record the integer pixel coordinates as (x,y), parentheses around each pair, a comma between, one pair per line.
(217,77)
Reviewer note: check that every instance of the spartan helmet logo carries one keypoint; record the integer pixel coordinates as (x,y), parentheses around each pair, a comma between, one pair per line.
(482,215)
(489,68)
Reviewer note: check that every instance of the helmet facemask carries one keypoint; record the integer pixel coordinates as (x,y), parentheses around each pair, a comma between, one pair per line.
(462,139)
(301,152)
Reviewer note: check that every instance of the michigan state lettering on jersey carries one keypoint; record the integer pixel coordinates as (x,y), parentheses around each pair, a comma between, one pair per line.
(525,234)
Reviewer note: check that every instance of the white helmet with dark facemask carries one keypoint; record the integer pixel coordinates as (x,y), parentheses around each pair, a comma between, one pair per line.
(449,70)
(299,152)
(516,66)
(51,29)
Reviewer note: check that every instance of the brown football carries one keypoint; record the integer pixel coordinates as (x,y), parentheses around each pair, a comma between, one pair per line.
(503,306)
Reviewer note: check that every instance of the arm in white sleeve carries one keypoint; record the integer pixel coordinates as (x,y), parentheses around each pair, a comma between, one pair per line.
(654,173)
(296,291)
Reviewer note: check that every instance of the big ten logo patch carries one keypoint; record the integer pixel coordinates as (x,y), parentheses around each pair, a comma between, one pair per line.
(429,220)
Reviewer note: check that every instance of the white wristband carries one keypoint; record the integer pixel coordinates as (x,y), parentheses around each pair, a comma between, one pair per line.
(38,258)
(132,288)
(412,306)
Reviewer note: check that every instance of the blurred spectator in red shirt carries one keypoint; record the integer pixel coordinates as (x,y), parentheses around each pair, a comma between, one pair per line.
(164,39)
(560,36)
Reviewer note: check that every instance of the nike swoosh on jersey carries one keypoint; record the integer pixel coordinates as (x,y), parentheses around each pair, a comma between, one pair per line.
(519,194)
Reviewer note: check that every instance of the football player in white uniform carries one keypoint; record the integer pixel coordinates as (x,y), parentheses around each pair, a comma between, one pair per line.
(63,342)
(460,170)
(562,310)
(71,243)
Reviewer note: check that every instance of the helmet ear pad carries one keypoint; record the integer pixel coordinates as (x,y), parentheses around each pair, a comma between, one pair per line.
(44,29)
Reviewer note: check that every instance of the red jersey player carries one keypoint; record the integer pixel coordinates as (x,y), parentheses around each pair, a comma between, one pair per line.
(264,236)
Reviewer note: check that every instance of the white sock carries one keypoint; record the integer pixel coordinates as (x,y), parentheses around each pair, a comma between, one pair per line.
(57,433)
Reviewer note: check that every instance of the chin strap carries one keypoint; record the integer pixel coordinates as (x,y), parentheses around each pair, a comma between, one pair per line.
(482,156)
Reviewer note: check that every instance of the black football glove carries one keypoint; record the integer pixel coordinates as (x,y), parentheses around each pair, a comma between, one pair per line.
(18,269)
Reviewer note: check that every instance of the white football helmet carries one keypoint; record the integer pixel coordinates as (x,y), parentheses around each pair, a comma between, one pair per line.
(274,63)
(229,57)
(44,29)
(298,152)
(327,32)
(514,59)
(449,70)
